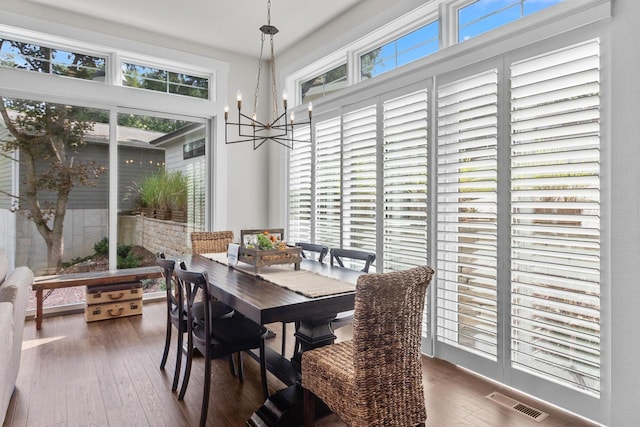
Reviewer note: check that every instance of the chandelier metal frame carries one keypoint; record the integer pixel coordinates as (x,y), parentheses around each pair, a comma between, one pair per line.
(278,129)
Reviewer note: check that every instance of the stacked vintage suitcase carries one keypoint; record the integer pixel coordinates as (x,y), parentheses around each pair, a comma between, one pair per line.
(113,301)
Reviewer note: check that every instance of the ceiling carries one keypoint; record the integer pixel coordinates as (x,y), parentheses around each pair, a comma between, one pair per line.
(225,24)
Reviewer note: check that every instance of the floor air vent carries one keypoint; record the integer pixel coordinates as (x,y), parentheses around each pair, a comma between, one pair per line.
(517,406)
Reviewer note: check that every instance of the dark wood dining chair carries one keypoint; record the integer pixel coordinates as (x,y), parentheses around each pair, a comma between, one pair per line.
(375,379)
(346,317)
(178,319)
(322,251)
(338,254)
(216,337)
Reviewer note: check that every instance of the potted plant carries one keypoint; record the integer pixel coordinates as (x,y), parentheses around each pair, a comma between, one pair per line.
(148,195)
(154,196)
(177,187)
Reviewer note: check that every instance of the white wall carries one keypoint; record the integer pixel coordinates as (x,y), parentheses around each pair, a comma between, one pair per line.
(624,345)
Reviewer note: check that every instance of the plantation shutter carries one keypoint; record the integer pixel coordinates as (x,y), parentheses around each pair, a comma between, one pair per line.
(196,201)
(327,183)
(467,211)
(299,229)
(405,181)
(555,216)
(359,179)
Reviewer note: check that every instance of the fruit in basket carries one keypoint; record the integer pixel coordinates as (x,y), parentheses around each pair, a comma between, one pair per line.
(264,241)
(267,241)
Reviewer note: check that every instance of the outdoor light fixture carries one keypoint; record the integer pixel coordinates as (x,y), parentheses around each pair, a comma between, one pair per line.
(279,129)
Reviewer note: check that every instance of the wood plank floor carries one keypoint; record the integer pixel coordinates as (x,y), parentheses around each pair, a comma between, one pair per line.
(106,373)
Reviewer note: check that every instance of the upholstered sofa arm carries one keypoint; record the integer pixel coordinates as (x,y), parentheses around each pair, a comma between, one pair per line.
(6,349)
(14,293)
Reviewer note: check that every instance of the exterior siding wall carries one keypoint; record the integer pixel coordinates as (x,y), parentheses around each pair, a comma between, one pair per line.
(6,171)
(142,163)
(195,169)
(8,234)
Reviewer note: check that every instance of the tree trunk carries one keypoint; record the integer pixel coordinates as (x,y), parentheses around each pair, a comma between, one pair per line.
(55,250)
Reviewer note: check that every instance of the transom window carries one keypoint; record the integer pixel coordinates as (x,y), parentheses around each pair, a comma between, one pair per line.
(74,63)
(324,84)
(42,59)
(438,28)
(485,15)
(160,80)
(415,45)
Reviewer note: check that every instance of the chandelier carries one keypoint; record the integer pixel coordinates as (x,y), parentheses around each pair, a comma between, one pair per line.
(278,129)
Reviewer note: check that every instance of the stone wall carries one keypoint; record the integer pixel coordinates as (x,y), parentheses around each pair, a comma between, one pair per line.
(156,235)
(83,228)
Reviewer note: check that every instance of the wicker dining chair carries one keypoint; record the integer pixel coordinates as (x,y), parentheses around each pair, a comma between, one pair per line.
(206,242)
(179,320)
(375,379)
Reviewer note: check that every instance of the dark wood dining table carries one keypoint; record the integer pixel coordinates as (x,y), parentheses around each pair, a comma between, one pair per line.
(264,303)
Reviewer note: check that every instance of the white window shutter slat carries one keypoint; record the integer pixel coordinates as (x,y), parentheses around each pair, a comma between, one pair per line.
(555,217)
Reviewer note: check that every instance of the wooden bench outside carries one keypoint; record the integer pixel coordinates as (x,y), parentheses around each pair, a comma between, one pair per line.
(98,278)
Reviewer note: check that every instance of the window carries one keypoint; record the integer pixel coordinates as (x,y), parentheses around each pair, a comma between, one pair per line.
(42,59)
(555,216)
(405,180)
(327,188)
(160,80)
(485,15)
(324,84)
(343,174)
(193,149)
(440,24)
(359,174)
(514,218)
(415,45)
(300,195)
(467,213)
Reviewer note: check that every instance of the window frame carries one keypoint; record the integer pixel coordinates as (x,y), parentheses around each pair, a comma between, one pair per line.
(115,57)
(581,12)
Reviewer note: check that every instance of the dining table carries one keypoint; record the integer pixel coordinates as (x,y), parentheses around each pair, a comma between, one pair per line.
(259,297)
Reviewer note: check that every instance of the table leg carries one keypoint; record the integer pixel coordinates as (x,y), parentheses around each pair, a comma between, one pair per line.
(312,333)
(285,407)
(39,309)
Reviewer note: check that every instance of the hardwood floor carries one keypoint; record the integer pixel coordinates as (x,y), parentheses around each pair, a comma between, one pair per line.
(106,373)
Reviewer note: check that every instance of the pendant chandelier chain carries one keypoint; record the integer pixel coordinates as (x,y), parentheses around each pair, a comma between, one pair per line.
(280,128)
(274,87)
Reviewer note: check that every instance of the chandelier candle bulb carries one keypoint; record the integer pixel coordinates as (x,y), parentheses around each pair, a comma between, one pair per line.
(292,117)
(239,99)
(310,110)
(284,99)
(226,113)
